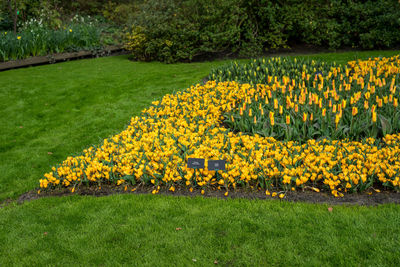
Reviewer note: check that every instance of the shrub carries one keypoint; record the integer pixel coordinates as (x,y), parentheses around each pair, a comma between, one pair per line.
(357,24)
(187,29)
(5,22)
(119,13)
(190,29)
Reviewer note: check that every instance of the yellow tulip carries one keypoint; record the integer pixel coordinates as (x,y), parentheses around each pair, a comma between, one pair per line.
(287,119)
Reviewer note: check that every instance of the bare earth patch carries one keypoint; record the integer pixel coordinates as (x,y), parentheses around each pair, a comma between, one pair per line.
(367,198)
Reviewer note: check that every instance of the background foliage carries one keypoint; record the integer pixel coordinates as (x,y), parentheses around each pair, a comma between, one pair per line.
(39,28)
(191,29)
(186,30)
(37,40)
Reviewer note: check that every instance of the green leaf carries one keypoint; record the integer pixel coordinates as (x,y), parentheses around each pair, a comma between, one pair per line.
(386,126)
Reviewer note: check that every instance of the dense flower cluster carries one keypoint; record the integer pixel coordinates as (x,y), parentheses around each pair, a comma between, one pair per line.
(357,101)
(155,147)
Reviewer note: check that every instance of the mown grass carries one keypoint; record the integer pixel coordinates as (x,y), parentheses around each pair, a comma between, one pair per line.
(140,230)
(50,112)
(66,107)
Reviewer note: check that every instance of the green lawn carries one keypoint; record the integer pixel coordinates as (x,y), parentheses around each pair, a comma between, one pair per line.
(50,112)
(66,107)
(141,230)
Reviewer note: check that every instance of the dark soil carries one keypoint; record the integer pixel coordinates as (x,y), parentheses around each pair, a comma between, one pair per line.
(367,198)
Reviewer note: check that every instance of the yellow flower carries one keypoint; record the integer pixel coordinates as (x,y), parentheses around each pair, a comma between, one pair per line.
(274,194)
(354,111)
(281,196)
(305,117)
(374,116)
(271,117)
(70,30)
(366,104)
(19,37)
(315,189)
(337,119)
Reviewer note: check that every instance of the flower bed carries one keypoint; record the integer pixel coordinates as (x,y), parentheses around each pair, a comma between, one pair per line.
(155,147)
(36,38)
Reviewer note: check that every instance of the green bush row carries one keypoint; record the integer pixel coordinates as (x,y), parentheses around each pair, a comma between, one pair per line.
(179,30)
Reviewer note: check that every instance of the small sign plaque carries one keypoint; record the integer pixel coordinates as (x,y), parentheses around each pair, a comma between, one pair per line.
(194,163)
(216,165)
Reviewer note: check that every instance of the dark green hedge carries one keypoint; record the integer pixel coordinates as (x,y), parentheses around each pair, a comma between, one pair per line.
(179,30)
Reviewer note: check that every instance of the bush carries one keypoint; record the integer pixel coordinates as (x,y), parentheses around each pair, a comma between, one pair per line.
(190,29)
(356,24)
(119,13)
(5,22)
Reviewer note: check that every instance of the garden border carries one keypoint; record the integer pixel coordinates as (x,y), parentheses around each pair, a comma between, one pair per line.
(53,58)
(370,198)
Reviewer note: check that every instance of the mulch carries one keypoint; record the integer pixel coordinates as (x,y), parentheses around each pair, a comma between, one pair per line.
(369,198)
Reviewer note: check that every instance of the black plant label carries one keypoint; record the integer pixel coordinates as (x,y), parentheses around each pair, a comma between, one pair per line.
(194,163)
(216,165)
